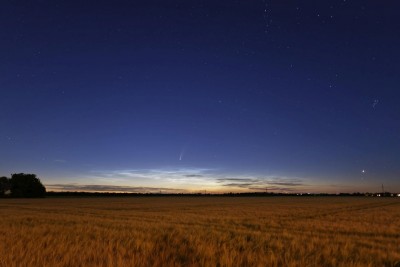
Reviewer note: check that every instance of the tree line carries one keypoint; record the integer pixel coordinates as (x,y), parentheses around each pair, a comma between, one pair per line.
(21,185)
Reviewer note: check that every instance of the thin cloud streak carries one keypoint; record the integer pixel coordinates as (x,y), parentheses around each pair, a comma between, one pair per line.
(268,183)
(60,160)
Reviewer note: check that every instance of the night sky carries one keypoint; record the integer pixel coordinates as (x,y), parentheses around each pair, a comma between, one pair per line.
(187,96)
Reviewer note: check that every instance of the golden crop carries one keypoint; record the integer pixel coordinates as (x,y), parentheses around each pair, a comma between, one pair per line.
(200,231)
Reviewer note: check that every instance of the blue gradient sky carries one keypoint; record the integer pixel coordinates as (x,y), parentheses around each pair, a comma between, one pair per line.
(176,96)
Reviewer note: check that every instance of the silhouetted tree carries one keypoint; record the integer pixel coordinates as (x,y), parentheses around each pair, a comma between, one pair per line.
(4,185)
(26,185)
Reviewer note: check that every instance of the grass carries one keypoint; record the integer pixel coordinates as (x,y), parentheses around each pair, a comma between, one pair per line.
(200,231)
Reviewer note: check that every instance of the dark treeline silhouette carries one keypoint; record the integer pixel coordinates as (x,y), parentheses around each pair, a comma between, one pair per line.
(247,194)
(21,185)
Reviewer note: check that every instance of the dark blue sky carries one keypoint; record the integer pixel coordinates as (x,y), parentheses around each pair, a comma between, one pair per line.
(201,95)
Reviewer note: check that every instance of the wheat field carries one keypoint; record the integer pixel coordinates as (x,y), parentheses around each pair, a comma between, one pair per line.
(200,231)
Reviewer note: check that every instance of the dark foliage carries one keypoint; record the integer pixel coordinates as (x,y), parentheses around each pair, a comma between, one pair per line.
(26,185)
(4,185)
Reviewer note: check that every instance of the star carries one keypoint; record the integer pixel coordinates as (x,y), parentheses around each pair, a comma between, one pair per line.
(376,101)
(363,171)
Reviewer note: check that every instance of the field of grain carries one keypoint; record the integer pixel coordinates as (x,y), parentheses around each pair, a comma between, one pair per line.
(200,231)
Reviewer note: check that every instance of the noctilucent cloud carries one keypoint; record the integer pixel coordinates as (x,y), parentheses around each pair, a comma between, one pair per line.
(193,96)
